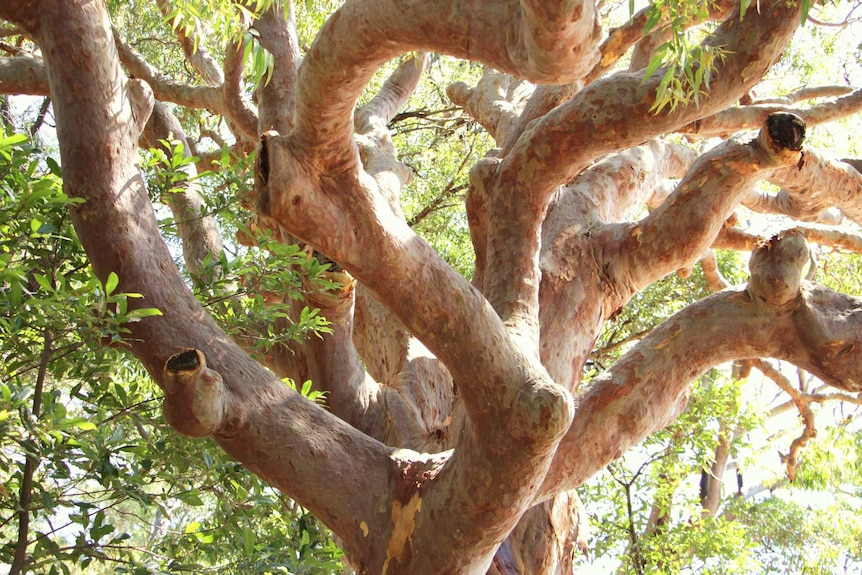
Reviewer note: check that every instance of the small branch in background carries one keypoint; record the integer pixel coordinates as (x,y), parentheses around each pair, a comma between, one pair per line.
(14,50)
(6,111)
(803,94)
(613,346)
(40,117)
(709,265)
(437,204)
(803,404)
(26,492)
(420,114)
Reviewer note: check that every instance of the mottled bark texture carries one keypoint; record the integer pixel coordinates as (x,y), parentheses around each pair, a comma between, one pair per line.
(450,442)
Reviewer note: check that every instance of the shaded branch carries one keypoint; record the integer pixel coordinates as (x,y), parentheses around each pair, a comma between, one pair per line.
(238,112)
(198,231)
(23,75)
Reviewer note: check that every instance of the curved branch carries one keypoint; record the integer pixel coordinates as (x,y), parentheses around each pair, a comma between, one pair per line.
(511,36)
(606,191)
(803,405)
(818,184)
(815,328)
(166,89)
(237,110)
(595,122)
(630,34)
(598,119)
(496,102)
(392,96)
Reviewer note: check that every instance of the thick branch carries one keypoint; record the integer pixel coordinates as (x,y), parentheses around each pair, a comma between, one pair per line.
(237,110)
(597,121)
(23,75)
(377,151)
(818,330)
(348,220)
(365,33)
(739,118)
(515,413)
(818,184)
(620,39)
(496,102)
(277,34)
(702,202)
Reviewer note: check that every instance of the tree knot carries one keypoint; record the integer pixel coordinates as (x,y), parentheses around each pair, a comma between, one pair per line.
(195,399)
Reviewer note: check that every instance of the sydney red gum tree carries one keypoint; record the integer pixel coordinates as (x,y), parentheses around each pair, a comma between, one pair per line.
(452,440)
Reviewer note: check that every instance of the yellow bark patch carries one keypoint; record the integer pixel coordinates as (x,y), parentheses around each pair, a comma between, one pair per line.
(404,521)
(364,526)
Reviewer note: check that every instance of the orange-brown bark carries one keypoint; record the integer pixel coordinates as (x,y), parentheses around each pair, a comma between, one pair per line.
(450,431)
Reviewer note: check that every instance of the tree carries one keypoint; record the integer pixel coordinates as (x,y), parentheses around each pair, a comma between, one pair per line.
(450,441)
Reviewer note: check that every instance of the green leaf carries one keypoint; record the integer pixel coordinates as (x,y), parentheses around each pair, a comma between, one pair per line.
(193,527)
(248,539)
(53,166)
(143,312)
(111,283)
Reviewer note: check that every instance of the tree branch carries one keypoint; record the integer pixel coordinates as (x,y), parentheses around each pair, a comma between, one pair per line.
(236,109)
(814,328)
(734,119)
(23,75)
(703,200)
(167,89)
(198,231)
(791,459)
(818,184)
(196,54)
(277,34)
(595,122)
(510,36)
(31,462)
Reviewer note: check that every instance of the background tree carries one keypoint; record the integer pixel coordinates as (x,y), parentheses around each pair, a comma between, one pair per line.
(450,441)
